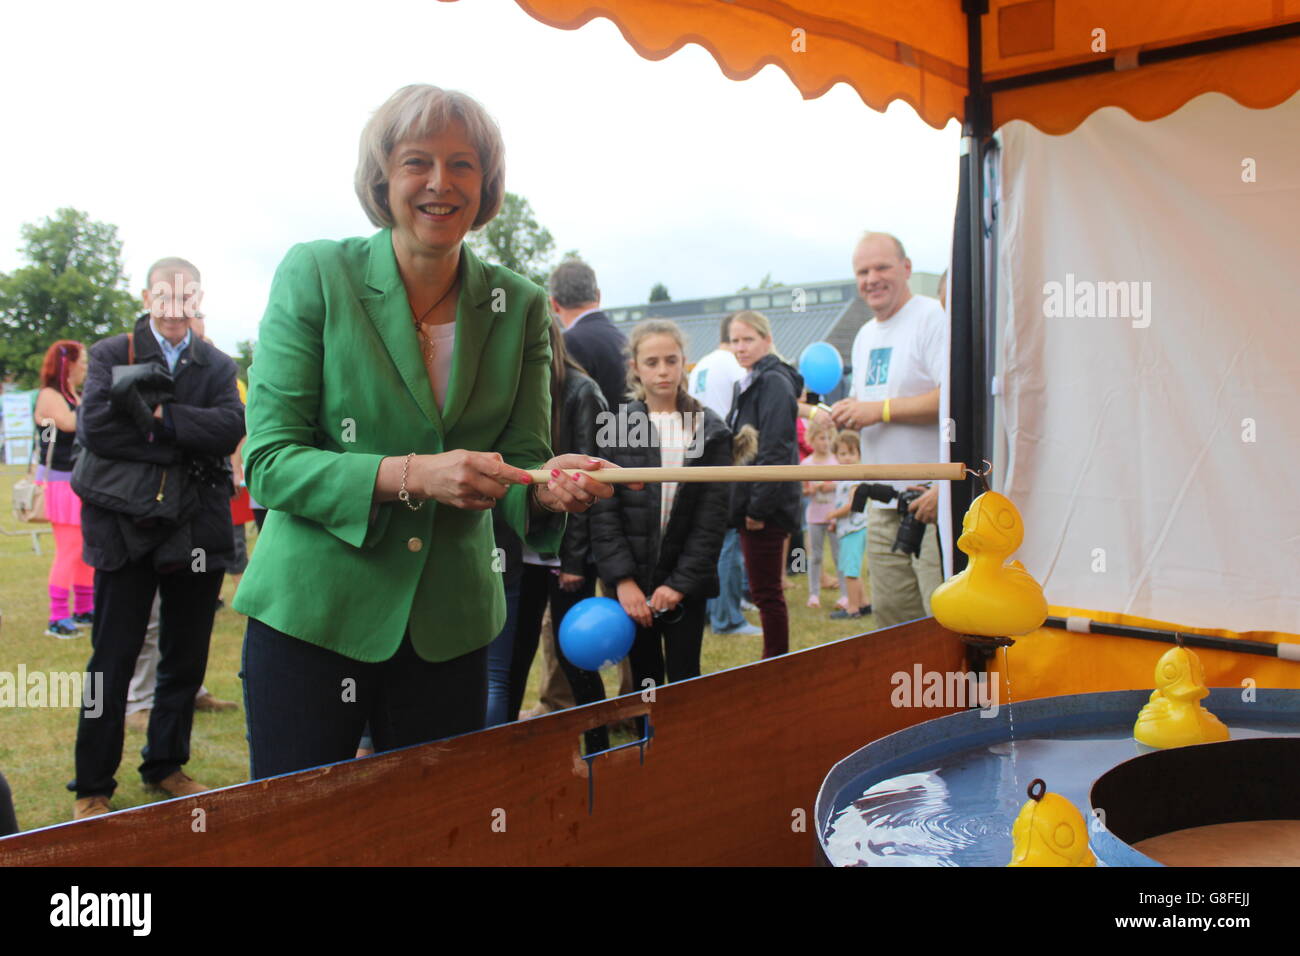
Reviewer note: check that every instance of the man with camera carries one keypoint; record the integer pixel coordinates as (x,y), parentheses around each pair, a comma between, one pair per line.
(159,418)
(899,358)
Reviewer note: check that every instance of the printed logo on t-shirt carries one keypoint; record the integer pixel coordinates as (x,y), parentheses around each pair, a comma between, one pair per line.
(878,366)
(700,385)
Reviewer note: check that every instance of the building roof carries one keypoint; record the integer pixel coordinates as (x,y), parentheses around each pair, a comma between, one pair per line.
(800,315)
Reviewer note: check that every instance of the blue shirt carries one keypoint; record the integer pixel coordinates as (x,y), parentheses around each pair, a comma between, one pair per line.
(171,353)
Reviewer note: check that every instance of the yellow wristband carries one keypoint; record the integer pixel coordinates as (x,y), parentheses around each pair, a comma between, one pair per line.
(884,412)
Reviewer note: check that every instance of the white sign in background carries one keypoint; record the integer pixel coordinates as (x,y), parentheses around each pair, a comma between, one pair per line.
(18,426)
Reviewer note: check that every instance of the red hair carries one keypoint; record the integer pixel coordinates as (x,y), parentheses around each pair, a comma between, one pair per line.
(57,366)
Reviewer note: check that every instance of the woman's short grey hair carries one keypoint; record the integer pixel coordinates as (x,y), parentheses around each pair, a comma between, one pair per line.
(416,112)
(573,283)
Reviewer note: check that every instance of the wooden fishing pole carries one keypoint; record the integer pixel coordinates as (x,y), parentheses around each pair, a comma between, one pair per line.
(1084,625)
(937,471)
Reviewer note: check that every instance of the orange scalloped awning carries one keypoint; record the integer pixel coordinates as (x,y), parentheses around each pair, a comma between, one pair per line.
(915,50)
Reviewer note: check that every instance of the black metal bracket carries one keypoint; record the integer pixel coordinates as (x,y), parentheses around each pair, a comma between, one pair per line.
(590,759)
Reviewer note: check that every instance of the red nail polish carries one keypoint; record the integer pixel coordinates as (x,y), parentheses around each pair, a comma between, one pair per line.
(556,473)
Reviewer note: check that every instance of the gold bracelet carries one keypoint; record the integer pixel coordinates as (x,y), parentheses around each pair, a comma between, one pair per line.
(884,412)
(402,494)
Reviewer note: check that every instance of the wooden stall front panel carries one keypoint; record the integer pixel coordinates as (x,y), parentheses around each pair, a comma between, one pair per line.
(729,778)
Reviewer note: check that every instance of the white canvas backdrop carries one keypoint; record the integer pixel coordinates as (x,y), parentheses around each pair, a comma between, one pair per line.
(1157,467)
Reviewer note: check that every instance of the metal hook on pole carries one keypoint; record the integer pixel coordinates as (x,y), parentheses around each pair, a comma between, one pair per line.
(983,476)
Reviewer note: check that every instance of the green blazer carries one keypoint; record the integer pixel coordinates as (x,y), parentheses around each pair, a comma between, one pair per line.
(338,383)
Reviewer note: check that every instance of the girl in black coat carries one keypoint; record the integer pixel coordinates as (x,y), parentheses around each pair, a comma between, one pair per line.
(658,546)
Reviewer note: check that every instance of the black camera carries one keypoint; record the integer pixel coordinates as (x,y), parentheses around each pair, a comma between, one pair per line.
(911,530)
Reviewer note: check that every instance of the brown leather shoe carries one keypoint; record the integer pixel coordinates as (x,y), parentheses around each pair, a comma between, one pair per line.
(212,705)
(177,785)
(138,720)
(86,807)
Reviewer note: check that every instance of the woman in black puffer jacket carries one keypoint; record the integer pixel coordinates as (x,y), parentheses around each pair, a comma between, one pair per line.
(564,579)
(766,513)
(658,547)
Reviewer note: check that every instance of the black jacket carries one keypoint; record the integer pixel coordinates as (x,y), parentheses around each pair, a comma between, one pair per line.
(625,535)
(200,428)
(601,350)
(771,405)
(583,403)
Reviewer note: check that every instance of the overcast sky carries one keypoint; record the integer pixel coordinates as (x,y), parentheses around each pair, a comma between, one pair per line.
(227,132)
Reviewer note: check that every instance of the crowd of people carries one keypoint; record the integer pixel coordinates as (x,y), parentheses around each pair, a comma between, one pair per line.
(402,391)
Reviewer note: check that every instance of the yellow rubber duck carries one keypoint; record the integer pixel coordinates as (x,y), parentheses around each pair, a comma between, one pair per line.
(991,597)
(1049,831)
(1173,717)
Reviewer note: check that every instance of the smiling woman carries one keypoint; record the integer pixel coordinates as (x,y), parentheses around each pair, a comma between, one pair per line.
(387,378)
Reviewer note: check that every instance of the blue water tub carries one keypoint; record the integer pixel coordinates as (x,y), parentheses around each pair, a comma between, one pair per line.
(969,760)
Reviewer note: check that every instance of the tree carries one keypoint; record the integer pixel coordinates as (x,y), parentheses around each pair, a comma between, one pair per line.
(660,293)
(74,288)
(244,357)
(516,240)
(763,283)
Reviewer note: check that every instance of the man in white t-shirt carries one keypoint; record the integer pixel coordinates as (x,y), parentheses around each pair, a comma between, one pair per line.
(715,376)
(899,359)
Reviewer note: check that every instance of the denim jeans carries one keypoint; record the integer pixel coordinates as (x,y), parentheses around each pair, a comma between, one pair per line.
(500,652)
(724,610)
(307,705)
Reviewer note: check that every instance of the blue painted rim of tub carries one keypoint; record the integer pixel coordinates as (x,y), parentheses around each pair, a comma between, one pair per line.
(1078,713)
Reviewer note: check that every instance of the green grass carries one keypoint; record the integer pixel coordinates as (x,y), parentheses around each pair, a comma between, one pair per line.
(36,744)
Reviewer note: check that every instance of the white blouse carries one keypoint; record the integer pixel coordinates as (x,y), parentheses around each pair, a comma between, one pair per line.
(673,441)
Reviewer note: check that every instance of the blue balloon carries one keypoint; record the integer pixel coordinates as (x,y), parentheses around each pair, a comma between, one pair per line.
(596,633)
(821,367)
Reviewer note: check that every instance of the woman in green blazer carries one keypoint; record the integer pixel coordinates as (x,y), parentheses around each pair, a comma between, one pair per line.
(400,386)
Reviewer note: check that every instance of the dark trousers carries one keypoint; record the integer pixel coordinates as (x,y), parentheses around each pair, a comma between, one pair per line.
(796,555)
(677,645)
(8,821)
(764,558)
(308,705)
(538,586)
(123,599)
